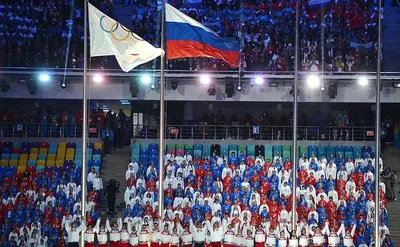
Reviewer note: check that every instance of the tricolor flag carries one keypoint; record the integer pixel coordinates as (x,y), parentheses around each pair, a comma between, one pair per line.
(189,38)
(110,38)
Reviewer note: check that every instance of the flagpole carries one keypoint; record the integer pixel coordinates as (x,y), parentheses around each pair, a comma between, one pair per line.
(377,126)
(295,106)
(162,92)
(84,118)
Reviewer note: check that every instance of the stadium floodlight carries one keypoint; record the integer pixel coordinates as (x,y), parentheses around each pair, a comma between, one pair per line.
(145,79)
(313,81)
(259,80)
(98,78)
(363,81)
(44,77)
(63,85)
(205,79)
(239,87)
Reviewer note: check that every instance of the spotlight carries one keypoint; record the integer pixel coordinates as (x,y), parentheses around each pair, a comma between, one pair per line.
(239,87)
(174,84)
(313,81)
(63,84)
(212,91)
(44,77)
(205,79)
(259,80)
(322,87)
(145,79)
(4,87)
(362,81)
(395,84)
(98,78)
(152,86)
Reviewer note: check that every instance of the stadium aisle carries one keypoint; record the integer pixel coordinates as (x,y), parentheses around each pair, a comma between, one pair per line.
(391,158)
(115,165)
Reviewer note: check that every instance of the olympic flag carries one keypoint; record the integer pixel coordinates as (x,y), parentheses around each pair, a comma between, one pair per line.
(110,38)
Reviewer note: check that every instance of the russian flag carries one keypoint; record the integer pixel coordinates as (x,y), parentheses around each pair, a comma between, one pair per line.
(189,38)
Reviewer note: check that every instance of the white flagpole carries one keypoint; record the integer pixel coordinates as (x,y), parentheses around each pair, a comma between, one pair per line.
(162,92)
(84,120)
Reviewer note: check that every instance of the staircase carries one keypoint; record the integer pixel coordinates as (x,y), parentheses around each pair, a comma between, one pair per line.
(391,158)
(390,40)
(115,166)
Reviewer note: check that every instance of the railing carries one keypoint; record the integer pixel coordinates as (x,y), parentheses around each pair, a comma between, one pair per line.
(60,130)
(243,132)
(212,132)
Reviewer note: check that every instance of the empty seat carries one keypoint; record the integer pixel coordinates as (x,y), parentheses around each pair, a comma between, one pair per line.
(23,157)
(4,162)
(13,163)
(33,156)
(71,145)
(60,163)
(14,157)
(62,145)
(15,150)
(43,150)
(50,162)
(32,162)
(224,150)
(34,151)
(22,162)
(251,150)
(268,151)
(233,148)
(41,163)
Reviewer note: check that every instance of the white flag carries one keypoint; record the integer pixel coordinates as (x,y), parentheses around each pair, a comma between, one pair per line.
(110,38)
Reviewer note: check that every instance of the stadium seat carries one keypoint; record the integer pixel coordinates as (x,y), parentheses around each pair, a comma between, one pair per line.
(206,150)
(34,151)
(198,147)
(15,150)
(321,151)
(69,157)
(225,150)
(33,156)
(215,148)
(59,162)
(14,157)
(32,162)
(50,162)
(286,152)
(330,150)
(21,169)
(312,149)
(242,148)
(62,145)
(31,169)
(39,168)
(23,157)
(16,145)
(188,147)
(198,152)
(96,157)
(13,163)
(5,156)
(357,150)
(277,148)
(233,148)
(251,150)
(44,145)
(260,149)
(41,163)
(71,145)
(98,145)
(6,151)
(268,150)
(22,162)
(43,151)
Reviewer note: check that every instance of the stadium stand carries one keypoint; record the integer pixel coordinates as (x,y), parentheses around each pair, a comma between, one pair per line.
(41,189)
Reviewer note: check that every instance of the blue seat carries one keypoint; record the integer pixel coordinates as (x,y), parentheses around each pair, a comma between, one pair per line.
(32,162)
(233,148)
(16,145)
(144,151)
(52,150)
(153,151)
(312,149)
(268,152)
(53,145)
(135,146)
(153,146)
(357,150)
(90,145)
(78,163)
(198,152)
(25,145)
(12,169)
(6,151)
(14,157)
(71,145)
(206,150)
(144,146)
(366,149)
(251,150)
(96,157)
(277,148)
(96,163)
(330,150)
(8,174)
(39,168)
(42,156)
(198,147)
(321,151)
(5,156)
(348,154)
(225,150)
(3,169)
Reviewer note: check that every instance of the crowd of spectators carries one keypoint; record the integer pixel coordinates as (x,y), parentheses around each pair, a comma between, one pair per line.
(342,38)
(334,197)
(43,33)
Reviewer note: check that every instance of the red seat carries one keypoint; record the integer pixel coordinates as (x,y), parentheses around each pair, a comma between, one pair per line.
(16,150)
(30,169)
(18,174)
(44,145)
(7,180)
(36,174)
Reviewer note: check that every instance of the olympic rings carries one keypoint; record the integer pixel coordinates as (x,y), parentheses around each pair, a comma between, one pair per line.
(101,25)
(112,33)
(115,27)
